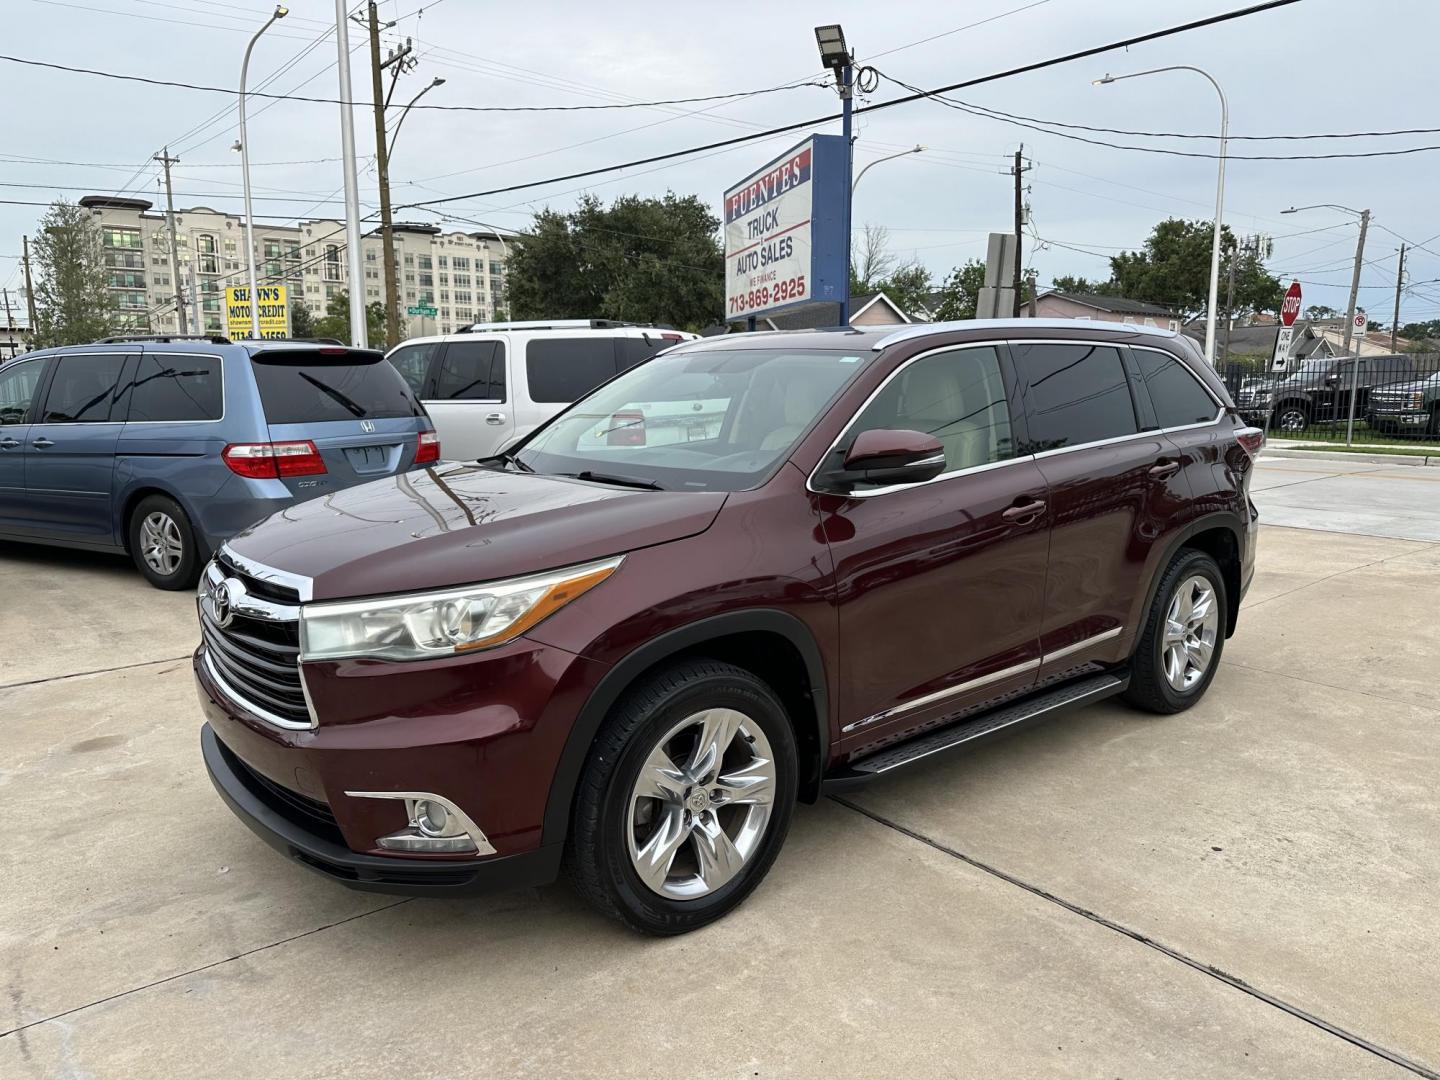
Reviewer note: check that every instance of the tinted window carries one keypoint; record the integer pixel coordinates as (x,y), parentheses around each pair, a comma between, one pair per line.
(300,387)
(629,351)
(18,384)
(566,369)
(1177,395)
(472,371)
(176,388)
(1073,394)
(82,389)
(413,363)
(958,397)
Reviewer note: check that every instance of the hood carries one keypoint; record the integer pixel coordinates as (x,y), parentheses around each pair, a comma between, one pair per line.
(1430,382)
(455,524)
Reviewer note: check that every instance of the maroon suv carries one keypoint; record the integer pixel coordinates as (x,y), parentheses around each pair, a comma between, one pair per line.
(746,572)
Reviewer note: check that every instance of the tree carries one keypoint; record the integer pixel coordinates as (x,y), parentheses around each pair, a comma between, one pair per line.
(908,288)
(872,264)
(1321,311)
(639,260)
(302,322)
(336,321)
(73,302)
(1067,283)
(961,292)
(1173,270)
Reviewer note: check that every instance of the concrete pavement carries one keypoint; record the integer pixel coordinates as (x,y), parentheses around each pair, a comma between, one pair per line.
(1349,497)
(1245,890)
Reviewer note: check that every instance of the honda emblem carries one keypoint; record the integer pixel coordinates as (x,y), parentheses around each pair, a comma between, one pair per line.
(367,426)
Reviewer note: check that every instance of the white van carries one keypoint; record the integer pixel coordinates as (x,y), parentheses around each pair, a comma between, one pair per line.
(493,383)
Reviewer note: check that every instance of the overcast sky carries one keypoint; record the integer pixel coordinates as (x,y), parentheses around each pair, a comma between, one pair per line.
(1309,68)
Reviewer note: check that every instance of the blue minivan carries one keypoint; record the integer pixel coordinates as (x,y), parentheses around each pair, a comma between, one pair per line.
(163,448)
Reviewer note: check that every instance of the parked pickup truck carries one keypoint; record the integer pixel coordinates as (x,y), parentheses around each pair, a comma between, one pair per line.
(1319,391)
(1407,407)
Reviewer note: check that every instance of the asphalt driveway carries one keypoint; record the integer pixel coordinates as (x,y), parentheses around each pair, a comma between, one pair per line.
(1246,890)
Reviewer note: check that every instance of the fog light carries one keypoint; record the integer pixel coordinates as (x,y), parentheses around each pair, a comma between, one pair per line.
(436,826)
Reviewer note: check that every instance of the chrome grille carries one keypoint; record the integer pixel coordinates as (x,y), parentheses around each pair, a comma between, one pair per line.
(254,657)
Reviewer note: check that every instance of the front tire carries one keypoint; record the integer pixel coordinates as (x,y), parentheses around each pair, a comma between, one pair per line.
(1291,419)
(1184,635)
(686,798)
(162,543)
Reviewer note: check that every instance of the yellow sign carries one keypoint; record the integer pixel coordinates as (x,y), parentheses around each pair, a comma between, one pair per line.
(274,312)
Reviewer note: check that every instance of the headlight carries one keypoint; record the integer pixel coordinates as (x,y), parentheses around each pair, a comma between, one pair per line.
(1417,399)
(424,625)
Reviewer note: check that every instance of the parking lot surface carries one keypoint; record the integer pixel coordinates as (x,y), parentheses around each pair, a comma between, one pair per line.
(1244,890)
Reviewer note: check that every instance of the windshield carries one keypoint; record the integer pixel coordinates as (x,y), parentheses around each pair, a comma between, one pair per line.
(702,420)
(1309,367)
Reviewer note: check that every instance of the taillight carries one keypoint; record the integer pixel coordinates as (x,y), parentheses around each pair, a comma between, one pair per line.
(428,448)
(270,461)
(1251,440)
(671,337)
(627,428)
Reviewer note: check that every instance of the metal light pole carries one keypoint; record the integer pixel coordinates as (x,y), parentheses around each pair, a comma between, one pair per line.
(835,56)
(437,81)
(1219,191)
(352,183)
(916,149)
(1364,216)
(280,12)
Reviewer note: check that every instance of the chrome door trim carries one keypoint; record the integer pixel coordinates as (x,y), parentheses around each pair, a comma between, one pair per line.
(810,480)
(941,695)
(1085,643)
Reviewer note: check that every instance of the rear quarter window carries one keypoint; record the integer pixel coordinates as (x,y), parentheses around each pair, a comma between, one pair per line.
(300,387)
(1176,394)
(173,388)
(562,370)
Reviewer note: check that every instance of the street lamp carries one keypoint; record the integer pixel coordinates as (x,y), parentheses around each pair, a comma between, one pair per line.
(280,12)
(1364,216)
(437,81)
(835,55)
(1219,191)
(916,149)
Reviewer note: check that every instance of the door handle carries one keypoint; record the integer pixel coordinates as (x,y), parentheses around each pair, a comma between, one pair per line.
(1024,514)
(42,443)
(1164,469)
(495,418)
(8,443)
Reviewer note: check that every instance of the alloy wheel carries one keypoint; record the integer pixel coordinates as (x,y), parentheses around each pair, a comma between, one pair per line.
(701,805)
(160,543)
(1191,625)
(1293,420)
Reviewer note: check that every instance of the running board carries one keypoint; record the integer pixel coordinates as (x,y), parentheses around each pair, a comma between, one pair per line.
(1003,720)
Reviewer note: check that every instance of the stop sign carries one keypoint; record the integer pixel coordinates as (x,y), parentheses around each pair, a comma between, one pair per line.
(1290,309)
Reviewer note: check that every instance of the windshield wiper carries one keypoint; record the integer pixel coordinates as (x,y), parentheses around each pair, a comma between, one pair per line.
(328,390)
(615,478)
(507,457)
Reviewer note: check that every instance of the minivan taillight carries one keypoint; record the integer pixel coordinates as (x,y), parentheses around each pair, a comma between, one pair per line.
(627,428)
(428,448)
(1251,440)
(270,461)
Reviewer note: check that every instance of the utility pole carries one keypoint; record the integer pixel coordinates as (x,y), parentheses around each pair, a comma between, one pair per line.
(29,287)
(166,160)
(1399,283)
(1355,281)
(382,165)
(1019,171)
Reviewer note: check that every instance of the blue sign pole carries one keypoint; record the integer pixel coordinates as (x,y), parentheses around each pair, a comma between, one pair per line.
(847,92)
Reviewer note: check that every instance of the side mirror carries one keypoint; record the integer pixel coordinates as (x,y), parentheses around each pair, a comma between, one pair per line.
(892,457)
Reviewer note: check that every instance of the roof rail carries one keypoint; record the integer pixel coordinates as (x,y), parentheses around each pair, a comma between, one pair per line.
(552,324)
(1092,326)
(120,339)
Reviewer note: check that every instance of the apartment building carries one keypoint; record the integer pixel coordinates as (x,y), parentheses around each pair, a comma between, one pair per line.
(460,275)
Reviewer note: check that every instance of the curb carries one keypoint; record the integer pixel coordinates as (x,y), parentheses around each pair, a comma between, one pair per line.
(1365,459)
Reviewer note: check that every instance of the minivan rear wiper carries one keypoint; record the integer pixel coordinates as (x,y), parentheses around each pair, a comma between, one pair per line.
(615,478)
(328,390)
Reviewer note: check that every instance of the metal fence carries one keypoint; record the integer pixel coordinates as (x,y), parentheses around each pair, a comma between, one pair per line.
(1372,400)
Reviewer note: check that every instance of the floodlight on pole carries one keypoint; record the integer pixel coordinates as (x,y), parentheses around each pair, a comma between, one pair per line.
(833,53)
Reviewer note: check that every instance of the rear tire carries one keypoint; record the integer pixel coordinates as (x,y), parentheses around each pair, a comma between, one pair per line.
(162,543)
(647,845)
(1184,634)
(1291,418)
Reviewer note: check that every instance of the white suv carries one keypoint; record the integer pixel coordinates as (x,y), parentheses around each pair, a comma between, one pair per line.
(495,382)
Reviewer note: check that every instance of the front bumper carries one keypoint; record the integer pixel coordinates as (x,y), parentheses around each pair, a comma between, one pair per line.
(282,824)
(1400,418)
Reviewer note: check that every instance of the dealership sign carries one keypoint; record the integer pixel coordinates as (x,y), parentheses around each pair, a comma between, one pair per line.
(785,231)
(274,312)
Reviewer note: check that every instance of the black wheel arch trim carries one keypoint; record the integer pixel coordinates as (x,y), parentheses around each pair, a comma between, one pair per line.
(1219,519)
(673,642)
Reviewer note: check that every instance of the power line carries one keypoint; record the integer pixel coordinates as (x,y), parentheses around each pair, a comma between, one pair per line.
(10,159)
(433,108)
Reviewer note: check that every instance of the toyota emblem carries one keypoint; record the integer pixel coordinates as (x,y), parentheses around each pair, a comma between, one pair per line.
(223,600)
